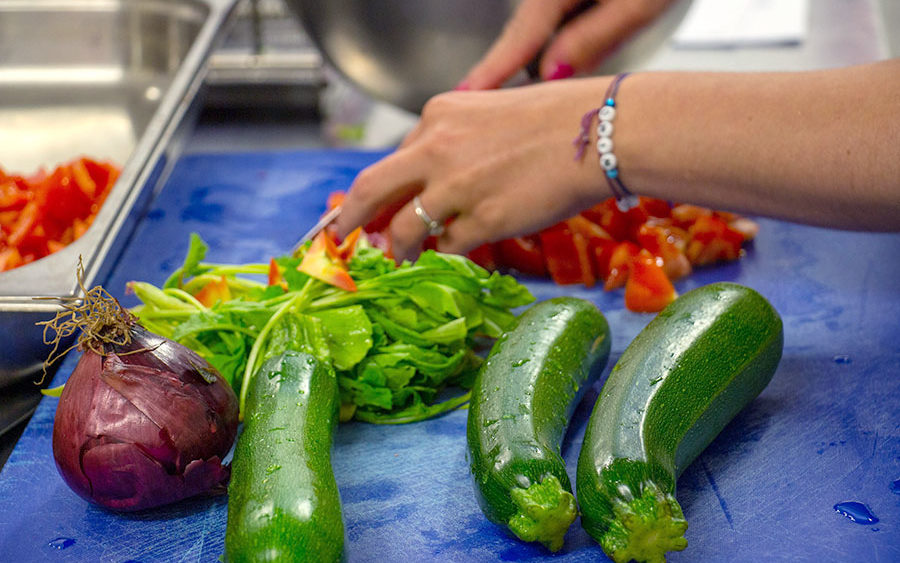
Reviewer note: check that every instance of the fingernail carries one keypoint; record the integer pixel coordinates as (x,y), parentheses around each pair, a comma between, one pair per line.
(464,85)
(562,70)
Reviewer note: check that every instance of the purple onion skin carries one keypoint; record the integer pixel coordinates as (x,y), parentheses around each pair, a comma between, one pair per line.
(145,429)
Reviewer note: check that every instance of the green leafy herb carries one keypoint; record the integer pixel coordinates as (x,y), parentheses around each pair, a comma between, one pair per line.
(404,345)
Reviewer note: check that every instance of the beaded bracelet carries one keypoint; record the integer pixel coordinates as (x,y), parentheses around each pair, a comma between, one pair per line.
(606,113)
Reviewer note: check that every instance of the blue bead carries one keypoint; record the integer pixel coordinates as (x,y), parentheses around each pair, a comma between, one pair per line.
(614,173)
(610,102)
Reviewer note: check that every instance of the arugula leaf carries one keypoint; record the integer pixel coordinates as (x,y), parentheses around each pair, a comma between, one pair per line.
(349,334)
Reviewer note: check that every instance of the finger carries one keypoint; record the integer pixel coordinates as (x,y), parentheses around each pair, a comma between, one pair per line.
(585,41)
(409,229)
(379,188)
(460,236)
(523,36)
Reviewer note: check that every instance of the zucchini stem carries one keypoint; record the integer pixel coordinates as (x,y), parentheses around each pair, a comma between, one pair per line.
(645,527)
(545,510)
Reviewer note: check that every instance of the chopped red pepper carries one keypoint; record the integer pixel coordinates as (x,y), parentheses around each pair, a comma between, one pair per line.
(214,292)
(323,262)
(43,213)
(275,276)
(347,248)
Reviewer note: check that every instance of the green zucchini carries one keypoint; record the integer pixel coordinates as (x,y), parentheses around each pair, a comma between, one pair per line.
(522,400)
(283,501)
(676,386)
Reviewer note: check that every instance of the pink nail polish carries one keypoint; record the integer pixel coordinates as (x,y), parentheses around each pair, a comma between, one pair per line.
(464,85)
(562,70)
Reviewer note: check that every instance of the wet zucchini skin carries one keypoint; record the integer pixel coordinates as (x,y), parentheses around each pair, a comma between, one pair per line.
(283,500)
(522,401)
(676,386)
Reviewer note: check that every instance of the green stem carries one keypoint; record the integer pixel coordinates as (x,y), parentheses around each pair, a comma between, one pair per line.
(186,297)
(544,512)
(645,527)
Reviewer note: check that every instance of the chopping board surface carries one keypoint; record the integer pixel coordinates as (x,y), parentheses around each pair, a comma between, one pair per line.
(825,431)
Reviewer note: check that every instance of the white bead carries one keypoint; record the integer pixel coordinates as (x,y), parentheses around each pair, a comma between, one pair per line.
(608,161)
(604,144)
(604,129)
(607,113)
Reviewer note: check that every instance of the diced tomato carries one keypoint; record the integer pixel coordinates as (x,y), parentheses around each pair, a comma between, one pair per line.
(214,292)
(667,243)
(747,227)
(712,240)
(655,207)
(484,256)
(522,254)
(648,289)
(322,262)
(685,214)
(564,256)
(618,264)
(610,218)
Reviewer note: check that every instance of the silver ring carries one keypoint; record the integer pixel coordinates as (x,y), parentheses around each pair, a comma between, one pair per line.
(435,229)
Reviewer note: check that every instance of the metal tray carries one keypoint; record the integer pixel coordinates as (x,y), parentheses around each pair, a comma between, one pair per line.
(108,79)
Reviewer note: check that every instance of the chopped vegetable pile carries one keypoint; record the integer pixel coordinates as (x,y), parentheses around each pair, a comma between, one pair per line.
(42,213)
(643,249)
(399,335)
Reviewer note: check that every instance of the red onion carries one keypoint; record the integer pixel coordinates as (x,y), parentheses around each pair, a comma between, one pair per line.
(142,421)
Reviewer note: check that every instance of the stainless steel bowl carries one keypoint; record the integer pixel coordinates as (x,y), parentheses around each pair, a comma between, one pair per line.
(405,51)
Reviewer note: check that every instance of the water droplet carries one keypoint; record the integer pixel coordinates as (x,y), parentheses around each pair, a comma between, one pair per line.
(856,512)
(895,487)
(656,380)
(272,469)
(520,363)
(842,359)
(61,543)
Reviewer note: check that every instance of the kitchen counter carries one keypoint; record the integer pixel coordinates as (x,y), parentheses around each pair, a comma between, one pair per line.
(824,432)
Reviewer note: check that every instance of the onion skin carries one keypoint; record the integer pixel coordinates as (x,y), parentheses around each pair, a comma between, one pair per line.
(145,424)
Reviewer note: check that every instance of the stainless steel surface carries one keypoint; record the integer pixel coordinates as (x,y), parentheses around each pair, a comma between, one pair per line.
(265,61)
(108,79)
(405,51)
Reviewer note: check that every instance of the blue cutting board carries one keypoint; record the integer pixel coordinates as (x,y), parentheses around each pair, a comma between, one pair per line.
(825,431)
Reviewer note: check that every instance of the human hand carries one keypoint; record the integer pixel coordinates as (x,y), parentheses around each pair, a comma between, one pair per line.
(496,164)
(573,46)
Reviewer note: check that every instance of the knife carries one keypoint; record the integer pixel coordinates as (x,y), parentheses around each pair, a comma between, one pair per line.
(326,220)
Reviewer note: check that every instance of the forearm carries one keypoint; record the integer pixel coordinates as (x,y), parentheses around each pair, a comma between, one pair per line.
(818,147)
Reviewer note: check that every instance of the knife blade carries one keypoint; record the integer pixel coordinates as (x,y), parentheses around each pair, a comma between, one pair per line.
(325,220)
